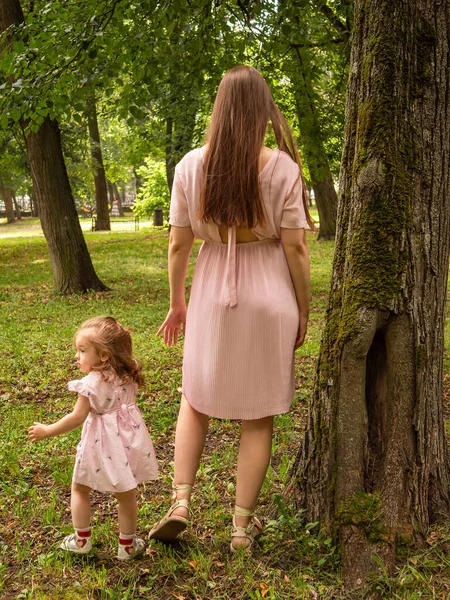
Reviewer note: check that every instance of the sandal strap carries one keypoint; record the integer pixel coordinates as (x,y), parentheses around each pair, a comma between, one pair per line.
(242,512)
(179,502)
(181,487)
(183,502)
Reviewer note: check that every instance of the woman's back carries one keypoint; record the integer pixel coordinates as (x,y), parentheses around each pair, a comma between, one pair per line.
(281,192)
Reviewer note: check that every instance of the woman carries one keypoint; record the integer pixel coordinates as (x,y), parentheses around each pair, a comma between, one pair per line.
(249,302)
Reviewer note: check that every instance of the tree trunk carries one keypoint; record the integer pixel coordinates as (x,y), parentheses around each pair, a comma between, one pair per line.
(118,198)
(16,207)
(101,190)
(110,192)
(373,467)
(314,151)
(325,198)
(33,207)
(7,197)
(170,164)
(71,263)
(72,266)
(179,136)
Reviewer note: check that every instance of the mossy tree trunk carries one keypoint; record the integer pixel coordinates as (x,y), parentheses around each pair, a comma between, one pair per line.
(373,467)
(101,189)
(71,263)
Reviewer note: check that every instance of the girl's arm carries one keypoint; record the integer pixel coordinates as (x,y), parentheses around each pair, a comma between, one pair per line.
(39,431)
(297,256)
(180,246)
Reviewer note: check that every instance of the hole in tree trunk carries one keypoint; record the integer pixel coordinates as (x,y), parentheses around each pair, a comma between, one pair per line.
(376,404)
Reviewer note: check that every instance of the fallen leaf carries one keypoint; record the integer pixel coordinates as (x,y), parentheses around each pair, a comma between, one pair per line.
(264,588)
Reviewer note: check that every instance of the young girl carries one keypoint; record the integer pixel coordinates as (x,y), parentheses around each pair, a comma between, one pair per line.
(115,452)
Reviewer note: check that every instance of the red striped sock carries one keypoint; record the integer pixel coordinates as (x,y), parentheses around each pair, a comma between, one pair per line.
(126,540)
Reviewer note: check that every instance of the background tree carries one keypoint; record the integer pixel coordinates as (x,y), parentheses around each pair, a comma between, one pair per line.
(373,467)
(71,263)
(314,58)
(101,189)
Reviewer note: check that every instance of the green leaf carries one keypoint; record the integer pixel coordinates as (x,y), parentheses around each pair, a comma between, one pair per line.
(15,114)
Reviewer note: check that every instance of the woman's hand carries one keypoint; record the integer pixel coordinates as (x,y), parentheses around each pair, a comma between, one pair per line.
(38,431)
(175,320)
(301,333)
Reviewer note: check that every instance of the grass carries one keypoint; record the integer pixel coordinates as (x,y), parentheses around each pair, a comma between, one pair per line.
(292,560)
(31,227)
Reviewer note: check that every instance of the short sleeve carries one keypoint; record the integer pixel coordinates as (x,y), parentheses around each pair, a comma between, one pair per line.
(294,216)
(84,387)
(179,212)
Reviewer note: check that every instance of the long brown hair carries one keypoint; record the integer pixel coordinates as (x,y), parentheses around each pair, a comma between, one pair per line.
(109,339)
(242,110)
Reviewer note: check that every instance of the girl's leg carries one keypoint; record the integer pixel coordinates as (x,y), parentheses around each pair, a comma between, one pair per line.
(190,436)
(127,512)
(129,545)
(255,449)
(80,506)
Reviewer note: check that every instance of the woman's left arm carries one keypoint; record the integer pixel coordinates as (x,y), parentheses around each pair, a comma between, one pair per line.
(180,246)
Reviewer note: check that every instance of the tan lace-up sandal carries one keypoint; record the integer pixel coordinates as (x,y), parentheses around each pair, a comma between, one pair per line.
(170,526)
(253,529)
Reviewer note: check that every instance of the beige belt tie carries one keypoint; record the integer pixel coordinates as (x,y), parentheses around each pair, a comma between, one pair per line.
(231,268)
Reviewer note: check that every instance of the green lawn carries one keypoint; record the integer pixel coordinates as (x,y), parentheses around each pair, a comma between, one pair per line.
(292,559)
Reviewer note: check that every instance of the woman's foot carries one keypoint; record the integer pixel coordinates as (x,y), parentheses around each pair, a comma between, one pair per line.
(176,519)
(246,528)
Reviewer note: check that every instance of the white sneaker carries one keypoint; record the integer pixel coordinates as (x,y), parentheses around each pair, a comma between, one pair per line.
(134,549)
(77,544)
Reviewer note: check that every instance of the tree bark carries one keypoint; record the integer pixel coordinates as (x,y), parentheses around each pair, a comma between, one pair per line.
(7,197)
(115,195)
(170,164)
(72,266)
(373,466)
(16,207)
(325,195)
(33,207)
(179,136)
(101,190)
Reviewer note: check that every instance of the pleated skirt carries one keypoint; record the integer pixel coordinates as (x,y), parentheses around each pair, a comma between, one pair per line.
(239,360)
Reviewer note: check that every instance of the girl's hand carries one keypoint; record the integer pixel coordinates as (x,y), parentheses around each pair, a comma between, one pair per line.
(301,333)
(175,320)
(37,432)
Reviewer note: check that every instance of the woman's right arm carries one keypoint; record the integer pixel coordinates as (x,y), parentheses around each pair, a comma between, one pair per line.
(297,256)
(180,246)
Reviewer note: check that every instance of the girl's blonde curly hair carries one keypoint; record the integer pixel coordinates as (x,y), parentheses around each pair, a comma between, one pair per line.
(111,340)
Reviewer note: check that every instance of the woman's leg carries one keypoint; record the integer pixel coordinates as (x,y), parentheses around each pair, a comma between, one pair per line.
(255,449)
(127,512)
(80,506)
(192,427)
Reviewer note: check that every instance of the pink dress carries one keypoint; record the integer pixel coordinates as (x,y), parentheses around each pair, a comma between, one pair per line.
(115,452)
(242,317)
